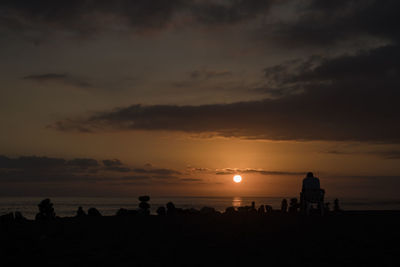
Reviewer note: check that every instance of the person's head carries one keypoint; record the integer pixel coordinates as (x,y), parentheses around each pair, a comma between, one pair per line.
(310,175)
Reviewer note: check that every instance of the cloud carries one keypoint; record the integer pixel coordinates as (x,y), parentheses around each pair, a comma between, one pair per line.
(191,180)
(48,169)
(342,98)
(58,78)
(383,154)
(327,23)
(88,17)
(230,171)
(83,163)
(160,172)
(112,162)
(209,74)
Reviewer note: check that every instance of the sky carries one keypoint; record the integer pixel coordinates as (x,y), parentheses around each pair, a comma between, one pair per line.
(173,98)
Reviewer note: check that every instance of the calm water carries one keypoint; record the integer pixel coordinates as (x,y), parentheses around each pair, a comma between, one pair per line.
(67,206)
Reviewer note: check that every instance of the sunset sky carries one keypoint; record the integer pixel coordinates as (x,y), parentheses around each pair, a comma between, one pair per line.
(175,97)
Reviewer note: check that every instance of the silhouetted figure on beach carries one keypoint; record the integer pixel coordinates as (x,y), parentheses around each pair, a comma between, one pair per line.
(311,193)
(171,210)
(336,207)
(46,210)
(268,208)
(294,205)
(261,210)
(284,205)
(161,211)
(93,212)
(143,205)
(80,212)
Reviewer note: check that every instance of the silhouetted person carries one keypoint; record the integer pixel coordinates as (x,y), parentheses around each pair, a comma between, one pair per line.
(311,192)
(294,205)
(93,212)
(46,210)
(171,210)
(143,205)
(268,208)
(80,212)
(161,211)
(284,205)
(336,207)
(261,209)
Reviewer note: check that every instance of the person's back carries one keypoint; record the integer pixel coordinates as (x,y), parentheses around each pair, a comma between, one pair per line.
(311,183)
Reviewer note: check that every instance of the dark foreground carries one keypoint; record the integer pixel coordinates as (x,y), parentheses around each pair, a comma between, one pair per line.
(347,239)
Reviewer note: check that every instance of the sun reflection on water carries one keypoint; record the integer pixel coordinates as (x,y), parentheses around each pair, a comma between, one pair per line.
(236,202)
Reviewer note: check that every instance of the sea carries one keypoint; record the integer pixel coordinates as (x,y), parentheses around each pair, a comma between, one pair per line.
(67,206)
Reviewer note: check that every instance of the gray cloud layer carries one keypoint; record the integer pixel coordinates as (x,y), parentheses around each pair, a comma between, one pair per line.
(54,170)
(91,16)
(58,78)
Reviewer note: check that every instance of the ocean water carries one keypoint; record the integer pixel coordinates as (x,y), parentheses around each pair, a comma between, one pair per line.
(67,206)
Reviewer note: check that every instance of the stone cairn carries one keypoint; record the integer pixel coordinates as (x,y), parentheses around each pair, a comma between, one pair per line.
(144,207)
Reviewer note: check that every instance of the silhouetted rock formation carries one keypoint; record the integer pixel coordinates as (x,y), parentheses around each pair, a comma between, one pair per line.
(230,210)
(93,212)
(161,211)
(19,217)
(46,210)
(336,207)
(126,212)
(8,217)
(208,211)
(261,210)
(284,205)
(80,212)
(144,207)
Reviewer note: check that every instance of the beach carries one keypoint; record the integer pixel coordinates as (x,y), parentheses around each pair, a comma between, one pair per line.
(363,238)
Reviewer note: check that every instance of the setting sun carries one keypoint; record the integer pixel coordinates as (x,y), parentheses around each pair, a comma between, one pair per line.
(237,178)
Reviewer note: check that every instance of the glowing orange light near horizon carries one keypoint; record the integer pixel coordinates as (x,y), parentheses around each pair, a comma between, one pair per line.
(237,178)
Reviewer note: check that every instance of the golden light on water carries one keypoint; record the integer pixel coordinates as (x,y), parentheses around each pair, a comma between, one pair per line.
(237,178)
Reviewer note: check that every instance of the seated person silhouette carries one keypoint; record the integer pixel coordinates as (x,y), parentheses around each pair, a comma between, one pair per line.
(311,193)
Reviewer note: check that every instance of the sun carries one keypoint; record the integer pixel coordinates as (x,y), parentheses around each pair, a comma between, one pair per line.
(237,178)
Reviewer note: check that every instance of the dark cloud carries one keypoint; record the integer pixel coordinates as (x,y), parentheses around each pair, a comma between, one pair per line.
(392,154)
(229,171)
(209,74)
(90,16)
(117,169)
(58,78)
(325,23)
(31,162)
(112,162)
(383,154)
(345,98)
(191,180)
(83,163)
(160,172)
(47,169)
